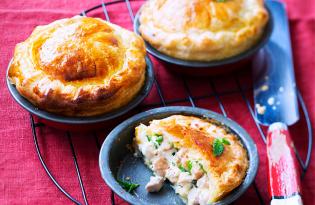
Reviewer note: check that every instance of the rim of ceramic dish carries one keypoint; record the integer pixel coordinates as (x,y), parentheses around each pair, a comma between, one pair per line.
(158,113)
(186,64)
(23,102)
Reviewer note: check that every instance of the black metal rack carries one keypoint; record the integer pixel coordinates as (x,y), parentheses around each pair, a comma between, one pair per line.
(240,89)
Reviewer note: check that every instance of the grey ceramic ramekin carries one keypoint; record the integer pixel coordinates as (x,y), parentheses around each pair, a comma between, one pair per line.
(117,161)
(206,68)
(84,123)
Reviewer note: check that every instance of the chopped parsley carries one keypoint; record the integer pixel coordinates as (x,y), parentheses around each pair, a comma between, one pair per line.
(221,0)
(149,138)
(202,168)
(188,165)
(128,186)
(181,168)
(218,146)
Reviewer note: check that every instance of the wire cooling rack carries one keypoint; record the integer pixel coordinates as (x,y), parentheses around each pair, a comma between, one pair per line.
(240,88)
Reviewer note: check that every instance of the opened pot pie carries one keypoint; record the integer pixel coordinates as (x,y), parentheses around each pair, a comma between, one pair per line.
(202,159)
(202,30)
(79,66)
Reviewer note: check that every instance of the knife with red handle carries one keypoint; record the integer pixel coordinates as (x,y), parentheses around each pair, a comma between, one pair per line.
(276,106)
(283,173)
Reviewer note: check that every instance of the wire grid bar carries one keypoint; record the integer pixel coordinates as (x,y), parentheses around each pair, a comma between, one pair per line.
(163,102)
(33,126)
(77,168)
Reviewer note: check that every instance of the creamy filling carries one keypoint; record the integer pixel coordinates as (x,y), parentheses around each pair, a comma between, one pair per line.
(183,167)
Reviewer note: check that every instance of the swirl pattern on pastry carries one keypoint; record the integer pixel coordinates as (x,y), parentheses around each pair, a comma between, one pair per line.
(202,30)
(79,66)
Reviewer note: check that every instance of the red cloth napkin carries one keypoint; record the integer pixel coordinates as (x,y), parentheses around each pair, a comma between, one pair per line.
(22,178)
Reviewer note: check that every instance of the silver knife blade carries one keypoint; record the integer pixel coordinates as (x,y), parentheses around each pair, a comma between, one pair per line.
(275,94)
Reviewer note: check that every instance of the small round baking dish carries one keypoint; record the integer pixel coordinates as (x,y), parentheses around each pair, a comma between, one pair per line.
(207,68)
(84,123)
(117,161)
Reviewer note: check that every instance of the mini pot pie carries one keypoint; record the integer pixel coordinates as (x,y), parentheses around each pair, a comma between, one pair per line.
(79,66)
(202,30)
(202,159)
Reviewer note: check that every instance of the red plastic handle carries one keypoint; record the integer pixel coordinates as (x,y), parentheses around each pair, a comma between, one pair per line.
(283,172)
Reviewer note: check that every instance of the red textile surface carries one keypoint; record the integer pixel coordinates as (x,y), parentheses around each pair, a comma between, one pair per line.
(22,178)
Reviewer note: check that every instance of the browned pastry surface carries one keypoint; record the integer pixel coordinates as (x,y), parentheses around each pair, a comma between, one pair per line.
(79,66)
(203,30)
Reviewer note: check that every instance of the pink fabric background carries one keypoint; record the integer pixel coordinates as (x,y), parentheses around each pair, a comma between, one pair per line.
(22,178)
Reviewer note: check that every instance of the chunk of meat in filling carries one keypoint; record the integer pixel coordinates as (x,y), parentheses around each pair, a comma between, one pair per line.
(149,152)
(172,174)
(155,184)
(197,197)
(184,178)
(196,172)
(160,165)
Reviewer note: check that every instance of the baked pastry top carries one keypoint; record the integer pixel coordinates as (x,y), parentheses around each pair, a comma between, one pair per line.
(79,66)
(202,30)
(184,150)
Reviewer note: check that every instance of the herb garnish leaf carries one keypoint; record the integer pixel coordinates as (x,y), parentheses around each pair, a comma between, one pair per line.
(128,186)
(225,141)
(218,146)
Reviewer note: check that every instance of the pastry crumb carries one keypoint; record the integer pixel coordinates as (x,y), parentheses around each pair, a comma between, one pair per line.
(264,88)
(271,100)
(261,109)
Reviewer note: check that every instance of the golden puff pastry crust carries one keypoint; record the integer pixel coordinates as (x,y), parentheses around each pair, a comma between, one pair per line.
(79,66)
(185,145)
(202,30)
